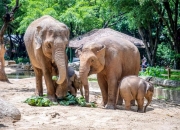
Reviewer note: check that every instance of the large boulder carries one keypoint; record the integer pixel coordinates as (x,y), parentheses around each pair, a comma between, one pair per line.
(9,110)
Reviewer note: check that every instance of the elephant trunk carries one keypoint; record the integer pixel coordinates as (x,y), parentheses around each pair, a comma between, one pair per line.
(60,61)
(83,73)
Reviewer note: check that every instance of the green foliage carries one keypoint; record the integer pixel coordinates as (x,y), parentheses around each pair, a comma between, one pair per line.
(72,100)
(165,56)
(3,9)
(68,100)
(138,15)
(39,101)
(55,78)
(92,79)
(160,72)
(154,71)
(20,60)
(81,16)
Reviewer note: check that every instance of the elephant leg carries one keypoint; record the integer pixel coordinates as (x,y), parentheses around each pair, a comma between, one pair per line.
(140,102)
(127,104)
(133,102)
(39,86)
(81,90)
(49,84)
(112,93)
(104,89)
(119,99)
(149,99)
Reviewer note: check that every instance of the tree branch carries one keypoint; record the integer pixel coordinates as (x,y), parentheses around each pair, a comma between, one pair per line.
(169,12)
(164,20)
(114,16)
(7,18)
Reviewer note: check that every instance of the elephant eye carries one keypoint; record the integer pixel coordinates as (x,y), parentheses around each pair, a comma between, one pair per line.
(92,60)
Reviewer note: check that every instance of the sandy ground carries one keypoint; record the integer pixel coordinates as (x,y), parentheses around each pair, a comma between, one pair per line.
(159,116)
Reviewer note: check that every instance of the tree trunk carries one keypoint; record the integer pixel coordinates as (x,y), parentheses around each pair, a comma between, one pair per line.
(171,22)
(7,18)
(3,76)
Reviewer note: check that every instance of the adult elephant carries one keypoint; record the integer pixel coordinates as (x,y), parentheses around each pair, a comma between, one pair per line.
(111,58)
(46,40)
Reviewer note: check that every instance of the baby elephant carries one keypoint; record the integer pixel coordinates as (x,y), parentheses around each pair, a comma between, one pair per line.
(135,88)
(74,83)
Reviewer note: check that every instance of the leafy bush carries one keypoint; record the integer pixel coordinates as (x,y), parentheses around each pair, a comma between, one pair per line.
(153,71)
(160,72)
(22,60)
(165,56)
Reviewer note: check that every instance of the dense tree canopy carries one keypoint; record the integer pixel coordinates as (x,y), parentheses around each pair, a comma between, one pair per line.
(156,20)
(80,15)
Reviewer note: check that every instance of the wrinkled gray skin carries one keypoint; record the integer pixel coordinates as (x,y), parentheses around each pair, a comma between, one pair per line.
(135,88)
(111,58)
(46,40)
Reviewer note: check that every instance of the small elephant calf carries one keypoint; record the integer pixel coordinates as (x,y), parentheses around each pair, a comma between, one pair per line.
(74,83)
(135,88)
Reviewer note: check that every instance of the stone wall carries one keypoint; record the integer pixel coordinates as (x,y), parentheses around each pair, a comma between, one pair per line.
(165,89)
(166,94)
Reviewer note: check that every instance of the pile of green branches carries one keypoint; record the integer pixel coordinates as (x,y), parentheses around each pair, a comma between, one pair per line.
(68,100)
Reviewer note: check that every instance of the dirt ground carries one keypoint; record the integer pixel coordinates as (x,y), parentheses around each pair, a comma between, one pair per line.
(159,116)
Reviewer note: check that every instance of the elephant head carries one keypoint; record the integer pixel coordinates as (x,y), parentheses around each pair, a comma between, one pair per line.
(53,39)
(92,61)
(149,89)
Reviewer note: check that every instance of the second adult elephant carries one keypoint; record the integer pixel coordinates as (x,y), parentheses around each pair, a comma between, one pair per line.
(46,40)
(111,58)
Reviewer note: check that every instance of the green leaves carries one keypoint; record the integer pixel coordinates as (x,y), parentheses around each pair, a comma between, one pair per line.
(72,100)
(68,100)
(39,101)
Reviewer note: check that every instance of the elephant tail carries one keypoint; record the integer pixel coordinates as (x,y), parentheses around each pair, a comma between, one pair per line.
(117,95)
(149,101)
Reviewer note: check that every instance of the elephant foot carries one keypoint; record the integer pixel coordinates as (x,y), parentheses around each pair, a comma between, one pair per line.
(120,102)
(140,111)
(52,98)
(102,104)
(107,106)
(38,93)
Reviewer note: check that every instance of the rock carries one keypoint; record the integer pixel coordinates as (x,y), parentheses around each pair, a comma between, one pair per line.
(159,93)
(9,110)
(178,96)
(166,94)
(173,95)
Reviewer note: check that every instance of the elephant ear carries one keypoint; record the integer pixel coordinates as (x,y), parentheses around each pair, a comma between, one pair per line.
(149,87)
(78,50)
(101,55)
(38,37)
